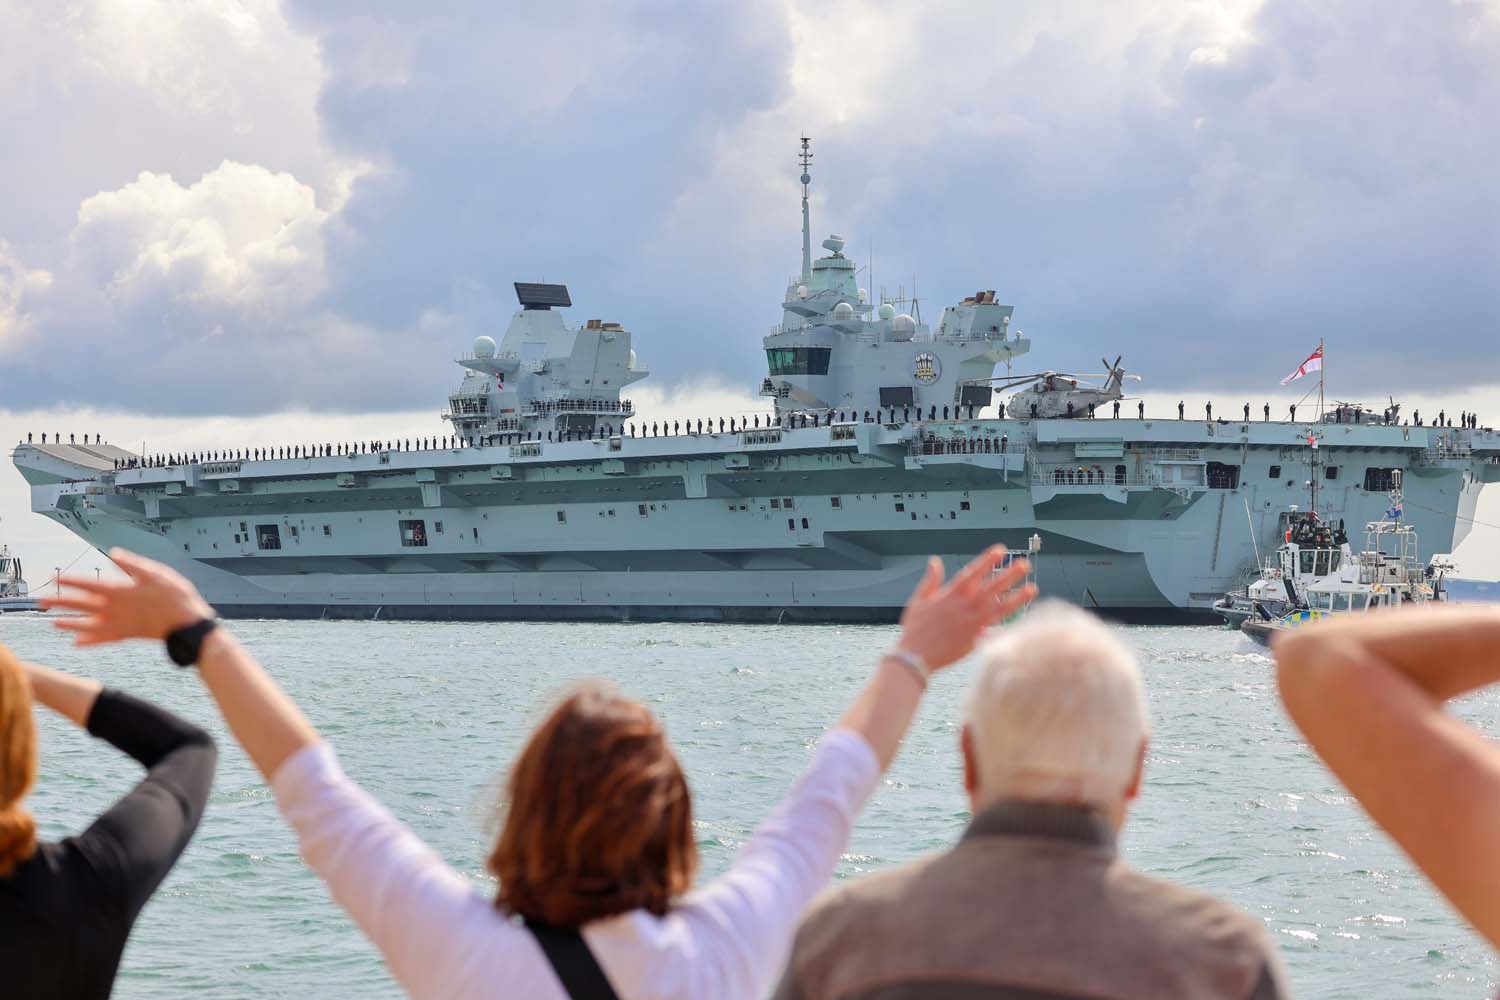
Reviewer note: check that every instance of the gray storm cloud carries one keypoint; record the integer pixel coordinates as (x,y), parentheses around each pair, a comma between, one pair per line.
(318,205)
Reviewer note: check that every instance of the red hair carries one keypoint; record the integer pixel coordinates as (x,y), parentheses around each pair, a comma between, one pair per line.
(17,764)
(598,819)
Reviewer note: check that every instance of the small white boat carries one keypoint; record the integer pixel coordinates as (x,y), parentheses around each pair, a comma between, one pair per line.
(1311,551)
(14,595)
(1386,573)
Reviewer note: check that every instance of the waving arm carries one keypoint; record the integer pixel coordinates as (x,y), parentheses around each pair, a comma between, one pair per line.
(154,601)
(940,626)
(1368,692)
(71,697)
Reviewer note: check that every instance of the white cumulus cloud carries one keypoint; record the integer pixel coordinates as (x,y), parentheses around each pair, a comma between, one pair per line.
(17,281)
(241,236)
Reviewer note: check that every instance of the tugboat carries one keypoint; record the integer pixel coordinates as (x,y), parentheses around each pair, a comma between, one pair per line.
(13,593)
(1312,550)
(1386,573)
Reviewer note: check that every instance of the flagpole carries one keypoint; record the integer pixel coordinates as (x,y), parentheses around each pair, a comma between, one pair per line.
(1322,374)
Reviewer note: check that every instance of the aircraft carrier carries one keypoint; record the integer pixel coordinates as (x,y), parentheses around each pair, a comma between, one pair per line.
(547,496)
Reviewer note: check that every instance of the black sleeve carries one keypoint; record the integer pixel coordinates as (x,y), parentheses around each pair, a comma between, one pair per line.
(135,843)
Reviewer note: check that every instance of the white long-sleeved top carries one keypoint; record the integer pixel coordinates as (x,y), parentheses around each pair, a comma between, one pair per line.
(442,938)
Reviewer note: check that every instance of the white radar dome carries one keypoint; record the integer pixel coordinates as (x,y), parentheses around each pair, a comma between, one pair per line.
(903,327)
(801,291)
(864,296)
(484,347)
(887,311)
(634,364)
(843,312)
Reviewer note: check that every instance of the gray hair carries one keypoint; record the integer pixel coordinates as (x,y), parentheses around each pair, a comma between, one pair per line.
(1057,711)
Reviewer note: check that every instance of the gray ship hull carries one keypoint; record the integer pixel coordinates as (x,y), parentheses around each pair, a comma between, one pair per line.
(814,524)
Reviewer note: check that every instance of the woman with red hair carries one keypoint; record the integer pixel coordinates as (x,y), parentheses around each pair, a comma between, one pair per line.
(67,908)
(596,857)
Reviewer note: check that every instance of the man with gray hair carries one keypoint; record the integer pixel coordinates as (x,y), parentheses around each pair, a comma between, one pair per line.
(1034,902)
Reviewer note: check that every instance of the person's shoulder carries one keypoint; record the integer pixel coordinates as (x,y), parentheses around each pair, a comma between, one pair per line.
(855,906)
(1189,915)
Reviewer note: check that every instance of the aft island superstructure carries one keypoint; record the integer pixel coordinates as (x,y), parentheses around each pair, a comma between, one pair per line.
(548,496)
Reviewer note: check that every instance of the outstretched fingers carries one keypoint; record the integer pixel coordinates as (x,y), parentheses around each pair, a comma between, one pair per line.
(1006,580)
(88,630)
(90,586)
(931,582)
(136,567)
(1014,601)
(968,579)
(73,602)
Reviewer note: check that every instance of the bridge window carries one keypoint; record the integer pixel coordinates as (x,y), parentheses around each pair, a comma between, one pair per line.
(1379,480)
(562,517)
(413,534)
(791,524)
(267,536)
(835,502)
(900,508)
(1330,472)
(1223,477)
(963,505)
(775,503)
(798,360)
(1275,472)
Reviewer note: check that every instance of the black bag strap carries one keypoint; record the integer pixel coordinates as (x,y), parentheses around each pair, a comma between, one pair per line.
(568,954)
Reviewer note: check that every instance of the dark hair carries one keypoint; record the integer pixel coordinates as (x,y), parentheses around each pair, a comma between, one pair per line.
(598,819)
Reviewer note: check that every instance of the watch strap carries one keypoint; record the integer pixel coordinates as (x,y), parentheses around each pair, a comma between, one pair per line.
(185,644)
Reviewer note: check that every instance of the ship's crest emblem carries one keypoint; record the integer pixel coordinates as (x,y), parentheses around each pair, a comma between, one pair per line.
(926,368)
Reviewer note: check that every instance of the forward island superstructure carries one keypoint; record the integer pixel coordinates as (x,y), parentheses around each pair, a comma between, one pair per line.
(548,496)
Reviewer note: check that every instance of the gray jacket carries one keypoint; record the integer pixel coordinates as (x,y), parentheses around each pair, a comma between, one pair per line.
(1033,903)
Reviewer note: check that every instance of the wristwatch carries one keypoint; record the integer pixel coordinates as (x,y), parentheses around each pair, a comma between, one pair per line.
(184,644)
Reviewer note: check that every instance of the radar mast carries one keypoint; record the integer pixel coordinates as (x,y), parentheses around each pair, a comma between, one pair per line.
(805,159)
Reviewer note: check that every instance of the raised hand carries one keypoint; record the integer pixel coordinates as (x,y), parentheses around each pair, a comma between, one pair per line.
(942,622)
(153,601)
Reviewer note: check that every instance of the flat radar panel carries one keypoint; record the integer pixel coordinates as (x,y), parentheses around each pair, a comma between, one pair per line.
(539,296)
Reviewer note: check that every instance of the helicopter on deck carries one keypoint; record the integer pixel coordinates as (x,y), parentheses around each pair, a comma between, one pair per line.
(1357,413)
(1062,394)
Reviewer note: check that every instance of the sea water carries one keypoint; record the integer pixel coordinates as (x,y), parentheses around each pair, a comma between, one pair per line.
(428,716)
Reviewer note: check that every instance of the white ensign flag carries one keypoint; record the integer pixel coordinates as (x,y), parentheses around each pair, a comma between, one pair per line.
(1314,363)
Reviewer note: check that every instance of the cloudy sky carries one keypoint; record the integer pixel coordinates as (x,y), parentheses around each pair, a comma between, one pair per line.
(254,209)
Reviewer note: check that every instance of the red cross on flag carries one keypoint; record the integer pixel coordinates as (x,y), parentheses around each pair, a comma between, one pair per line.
(1314,363)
